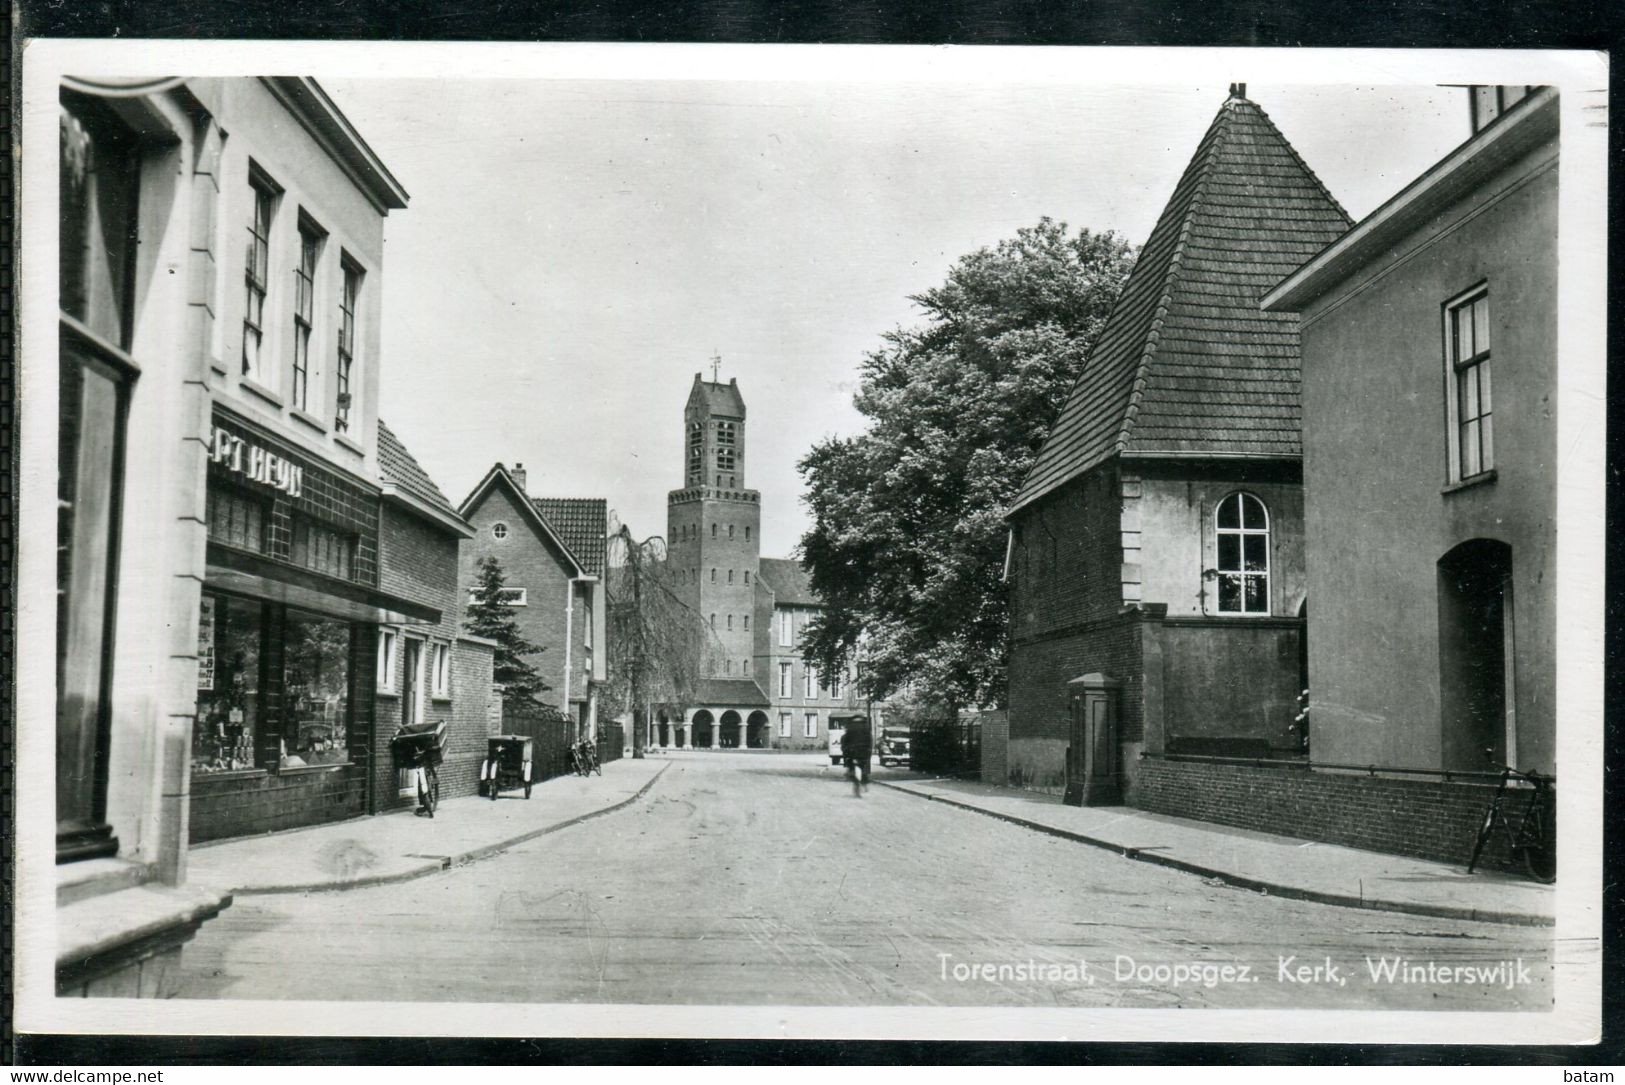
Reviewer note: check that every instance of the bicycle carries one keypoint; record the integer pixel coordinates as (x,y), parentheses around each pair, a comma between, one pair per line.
(420,748)
(584,759)
(1532,840)
(427,781)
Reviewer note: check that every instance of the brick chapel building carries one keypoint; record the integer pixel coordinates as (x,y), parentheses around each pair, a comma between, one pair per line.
(1157,542)
(760,692)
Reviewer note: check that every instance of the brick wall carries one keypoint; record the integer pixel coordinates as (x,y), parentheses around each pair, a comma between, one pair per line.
(1421,818)
(530,562)
(418,559)
(239,807)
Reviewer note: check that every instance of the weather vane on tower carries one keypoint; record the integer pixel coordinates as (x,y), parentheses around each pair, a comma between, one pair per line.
(716,366)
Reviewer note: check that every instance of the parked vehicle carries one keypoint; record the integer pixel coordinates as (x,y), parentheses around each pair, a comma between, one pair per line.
(507,764)
(420,747)
(894,752)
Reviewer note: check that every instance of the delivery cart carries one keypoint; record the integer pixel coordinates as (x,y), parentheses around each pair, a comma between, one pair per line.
(419,748)
(507,764)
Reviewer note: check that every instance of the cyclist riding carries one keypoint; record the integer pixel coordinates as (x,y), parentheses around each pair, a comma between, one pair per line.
(857,746)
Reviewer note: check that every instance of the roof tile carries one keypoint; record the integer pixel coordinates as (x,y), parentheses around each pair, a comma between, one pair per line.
(789,581)
(1187,362)
(582,524)
(400,469)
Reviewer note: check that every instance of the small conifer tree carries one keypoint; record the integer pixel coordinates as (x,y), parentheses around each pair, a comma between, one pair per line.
(490,615)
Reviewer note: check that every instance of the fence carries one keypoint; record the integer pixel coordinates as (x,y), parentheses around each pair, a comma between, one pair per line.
(551,731)
(611,741)
(946,747)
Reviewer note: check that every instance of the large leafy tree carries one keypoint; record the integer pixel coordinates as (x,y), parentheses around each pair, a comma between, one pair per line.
(907,543)
(490,615)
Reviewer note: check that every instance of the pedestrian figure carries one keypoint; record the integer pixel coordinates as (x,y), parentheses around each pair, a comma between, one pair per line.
(857,745)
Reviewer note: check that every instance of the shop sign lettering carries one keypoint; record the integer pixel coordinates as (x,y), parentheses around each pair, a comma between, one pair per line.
(255,463)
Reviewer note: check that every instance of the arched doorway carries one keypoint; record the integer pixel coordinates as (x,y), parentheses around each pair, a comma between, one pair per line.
(756,730)
(1476,702)
(663,730)
(703,725)
(732,737)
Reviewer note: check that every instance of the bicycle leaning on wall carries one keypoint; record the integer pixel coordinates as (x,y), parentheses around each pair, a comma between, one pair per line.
(1529,827)
(419,749)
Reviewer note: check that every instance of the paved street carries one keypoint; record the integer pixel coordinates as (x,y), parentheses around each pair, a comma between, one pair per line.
(759,879)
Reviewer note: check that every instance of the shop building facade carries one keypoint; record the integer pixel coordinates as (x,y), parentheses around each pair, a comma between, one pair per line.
(221,242)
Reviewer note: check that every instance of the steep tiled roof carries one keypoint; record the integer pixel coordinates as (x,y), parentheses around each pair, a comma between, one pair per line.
(789,581)
(718,692)
(401,470)
(581,523)
(720,398)
(1187,364)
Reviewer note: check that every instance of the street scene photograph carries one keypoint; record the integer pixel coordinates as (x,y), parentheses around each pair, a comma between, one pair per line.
(744,542)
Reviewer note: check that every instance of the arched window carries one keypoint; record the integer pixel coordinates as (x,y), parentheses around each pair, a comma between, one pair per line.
(730,531)
(747,534)
(1243,534)
(713,621)
(747,571)
(714,530)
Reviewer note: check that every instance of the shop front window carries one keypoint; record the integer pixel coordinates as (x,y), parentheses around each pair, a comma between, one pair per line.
(230,684)
(316,691)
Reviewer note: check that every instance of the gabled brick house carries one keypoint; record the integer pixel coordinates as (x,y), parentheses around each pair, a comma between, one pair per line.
(553,551)
(1157,541)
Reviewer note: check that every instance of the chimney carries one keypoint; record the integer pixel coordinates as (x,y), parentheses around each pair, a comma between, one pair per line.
(517,473)
(1238,90)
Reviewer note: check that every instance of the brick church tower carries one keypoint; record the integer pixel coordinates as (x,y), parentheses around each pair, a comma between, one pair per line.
(713,525)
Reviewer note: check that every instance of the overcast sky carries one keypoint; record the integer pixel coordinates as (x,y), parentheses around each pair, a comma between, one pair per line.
(575,251)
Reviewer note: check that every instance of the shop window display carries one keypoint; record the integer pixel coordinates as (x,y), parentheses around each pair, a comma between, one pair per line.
(230,699)
(316,691)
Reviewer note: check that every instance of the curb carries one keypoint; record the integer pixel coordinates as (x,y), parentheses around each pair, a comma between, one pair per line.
(449,861)
(1274,889)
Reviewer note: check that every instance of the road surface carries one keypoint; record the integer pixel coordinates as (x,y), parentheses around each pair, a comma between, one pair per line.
(759,879)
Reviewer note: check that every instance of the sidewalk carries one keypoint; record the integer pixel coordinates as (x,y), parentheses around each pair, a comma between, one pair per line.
(1281,866)
(397,846)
